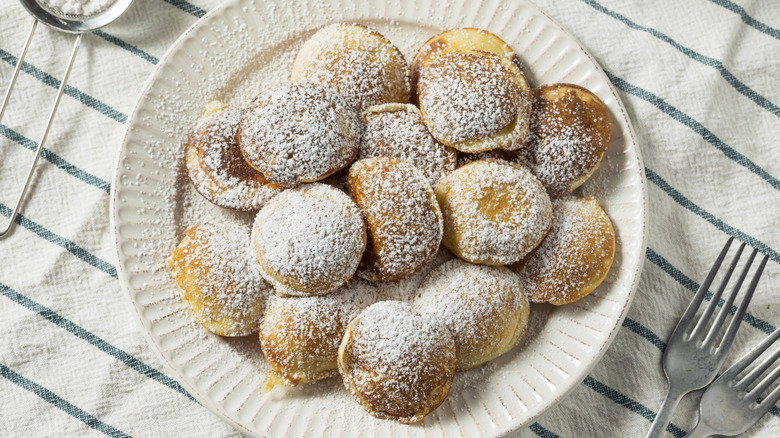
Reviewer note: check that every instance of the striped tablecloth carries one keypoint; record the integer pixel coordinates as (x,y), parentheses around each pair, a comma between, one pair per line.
(700,80)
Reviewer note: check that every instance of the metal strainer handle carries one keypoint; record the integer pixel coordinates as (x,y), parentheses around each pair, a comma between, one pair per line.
(5,230)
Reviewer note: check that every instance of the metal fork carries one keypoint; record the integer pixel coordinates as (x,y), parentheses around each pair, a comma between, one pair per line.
(692,360)
(727,407)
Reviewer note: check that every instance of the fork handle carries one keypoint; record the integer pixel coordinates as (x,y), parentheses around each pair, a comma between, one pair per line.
(664,414)
(700,431)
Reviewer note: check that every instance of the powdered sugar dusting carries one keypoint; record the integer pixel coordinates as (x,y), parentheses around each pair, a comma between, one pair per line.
(577,251)
(219,278)
(484,307)
(396,362)
(355,61)
(299,132)
(300,336)
(495,212)
(467,96)
(309,239)
(218,169)
(405,224)
(397,131)
(568,136)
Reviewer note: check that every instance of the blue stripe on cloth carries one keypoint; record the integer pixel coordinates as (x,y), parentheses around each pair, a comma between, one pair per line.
(55,159)
(94,340)
(706,60)
(625,401)
(709,217)
(644,332)
(747,19)
(541,432)
(126,46)
(70,91)
(697,127)
(72,248)
(187,7)
(59,402)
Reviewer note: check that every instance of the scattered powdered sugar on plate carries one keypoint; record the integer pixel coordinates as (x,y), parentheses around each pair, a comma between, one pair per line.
(237,62)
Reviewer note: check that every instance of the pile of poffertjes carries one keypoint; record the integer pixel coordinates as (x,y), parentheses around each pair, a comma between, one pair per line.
(360,168)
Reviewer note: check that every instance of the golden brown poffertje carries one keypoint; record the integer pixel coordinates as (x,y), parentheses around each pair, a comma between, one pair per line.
(402,216)
(298,132)
(397,130)
(309,240)
(495,212)
(475,101)
(574,258)
(217,167)
(467,39)
(219,281)
(484,307)
(300,336)
(355,61)
(398,364)
(570,131)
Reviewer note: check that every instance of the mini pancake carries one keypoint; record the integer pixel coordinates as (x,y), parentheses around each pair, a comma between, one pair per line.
(456,40)
(484,307)
(402,215)
(299,132)
(570,131)
(397,364)
(495,212)
(309,240)
(219,280)
(355,61)
(217,167)
(475,101)
(574,258)
(300,336)
(397,130)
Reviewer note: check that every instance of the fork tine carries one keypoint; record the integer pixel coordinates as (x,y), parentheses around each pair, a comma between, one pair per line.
(737,319)
(729,301)
(770,400)
(764,384)
(756,372)
(716,296)
(690,312)
(751,356)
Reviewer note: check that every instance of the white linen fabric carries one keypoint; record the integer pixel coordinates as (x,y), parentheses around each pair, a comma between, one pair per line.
(700,80)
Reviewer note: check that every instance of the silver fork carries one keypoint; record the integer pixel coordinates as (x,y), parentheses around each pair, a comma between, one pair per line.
(692,359)
(727,407)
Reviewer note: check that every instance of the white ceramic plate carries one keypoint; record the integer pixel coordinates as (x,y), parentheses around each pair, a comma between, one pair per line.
(243,46)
